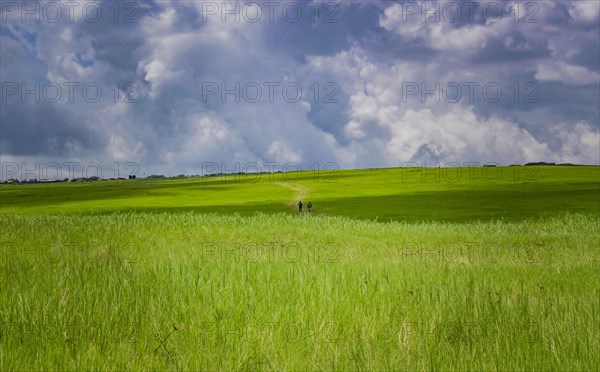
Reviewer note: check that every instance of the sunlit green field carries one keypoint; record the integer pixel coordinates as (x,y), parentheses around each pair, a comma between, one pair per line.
(394,194)
(393,269)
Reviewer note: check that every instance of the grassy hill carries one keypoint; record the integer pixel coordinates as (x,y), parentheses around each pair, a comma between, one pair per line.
(401,194)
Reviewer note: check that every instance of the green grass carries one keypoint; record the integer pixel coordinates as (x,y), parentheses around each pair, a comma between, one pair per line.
(498,275)
(400,194)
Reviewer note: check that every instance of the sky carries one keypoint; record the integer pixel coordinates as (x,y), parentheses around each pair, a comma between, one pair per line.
(184,87)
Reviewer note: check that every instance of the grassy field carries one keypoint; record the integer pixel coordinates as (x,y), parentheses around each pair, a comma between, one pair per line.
(493,269)
(394,194)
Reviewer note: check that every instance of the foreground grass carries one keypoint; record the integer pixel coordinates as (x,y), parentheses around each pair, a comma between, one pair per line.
(193,291)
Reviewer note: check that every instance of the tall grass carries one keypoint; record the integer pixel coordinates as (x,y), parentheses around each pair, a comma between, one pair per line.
(196,291)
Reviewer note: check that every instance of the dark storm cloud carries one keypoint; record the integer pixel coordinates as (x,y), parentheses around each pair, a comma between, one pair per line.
(44,129)
(331,117)
(385,46)
(335,29)
(588,56)
(515,46)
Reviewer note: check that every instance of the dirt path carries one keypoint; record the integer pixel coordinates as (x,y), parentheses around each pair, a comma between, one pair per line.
(301,191)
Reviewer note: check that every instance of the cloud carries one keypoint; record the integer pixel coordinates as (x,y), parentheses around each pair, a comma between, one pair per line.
(362,61)
(398,130)
(580,143)
(566,73)
(585,11)
(46,130)
(441,30)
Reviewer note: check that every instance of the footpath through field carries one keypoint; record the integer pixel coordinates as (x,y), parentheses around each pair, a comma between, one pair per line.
(301,191)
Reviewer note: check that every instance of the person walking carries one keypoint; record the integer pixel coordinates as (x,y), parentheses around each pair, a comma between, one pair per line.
(299,206)
(309,205)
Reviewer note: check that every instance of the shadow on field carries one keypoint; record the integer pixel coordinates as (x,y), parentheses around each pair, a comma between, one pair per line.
(461,203)
(467,205)
(450,206)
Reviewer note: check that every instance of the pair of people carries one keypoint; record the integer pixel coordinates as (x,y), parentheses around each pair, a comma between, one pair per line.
(309,205)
